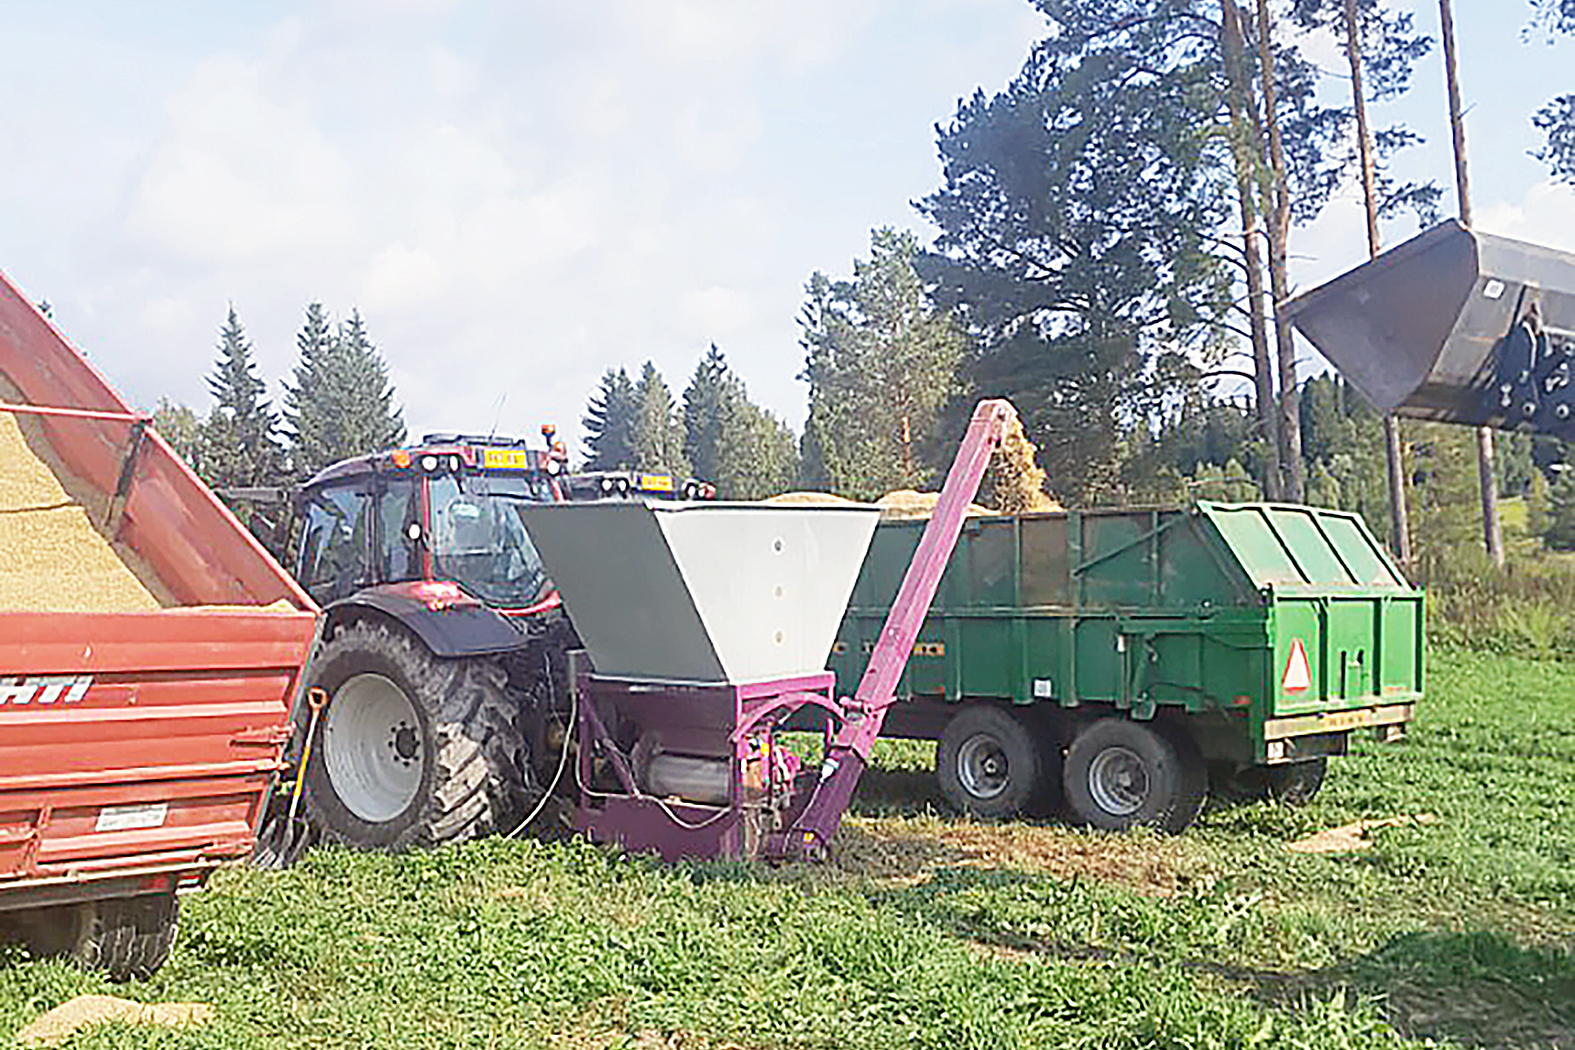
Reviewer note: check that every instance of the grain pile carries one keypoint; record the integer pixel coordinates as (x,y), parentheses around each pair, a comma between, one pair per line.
(52,558)
(813,499)
(1016,483)
(894,506)
(904,504)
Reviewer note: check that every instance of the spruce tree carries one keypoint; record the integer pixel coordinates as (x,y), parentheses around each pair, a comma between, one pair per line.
(237,446)
(756,453)
(308,412)
(609,423)
(375,423)
(658,437)
(341,403)
(705,404)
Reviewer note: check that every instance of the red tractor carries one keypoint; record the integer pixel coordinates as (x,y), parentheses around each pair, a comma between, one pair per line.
(435,693)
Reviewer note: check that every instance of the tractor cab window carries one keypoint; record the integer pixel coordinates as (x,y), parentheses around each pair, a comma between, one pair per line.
(479,541)
(397,510)
(335,543)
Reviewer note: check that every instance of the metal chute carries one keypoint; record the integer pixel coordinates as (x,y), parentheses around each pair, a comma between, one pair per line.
(1455,325)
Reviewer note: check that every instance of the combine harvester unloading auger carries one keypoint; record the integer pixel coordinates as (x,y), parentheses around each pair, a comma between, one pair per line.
(1457,326)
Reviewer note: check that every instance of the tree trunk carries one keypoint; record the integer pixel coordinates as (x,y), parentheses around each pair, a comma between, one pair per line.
(1399,520)
(1279,231)
(1240,100)
(1492,532)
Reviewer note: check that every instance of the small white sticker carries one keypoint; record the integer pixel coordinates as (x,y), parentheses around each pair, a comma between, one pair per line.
(1493,289)
(1044,689)
(131,818)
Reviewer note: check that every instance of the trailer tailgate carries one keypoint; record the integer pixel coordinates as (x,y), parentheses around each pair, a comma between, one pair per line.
(139,738)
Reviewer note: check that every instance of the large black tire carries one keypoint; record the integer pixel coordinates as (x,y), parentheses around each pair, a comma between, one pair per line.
(989,763)
(419,750)
(127,938)
(1121,774)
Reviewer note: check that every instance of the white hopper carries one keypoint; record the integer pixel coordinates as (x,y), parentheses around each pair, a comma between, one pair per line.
(703,592)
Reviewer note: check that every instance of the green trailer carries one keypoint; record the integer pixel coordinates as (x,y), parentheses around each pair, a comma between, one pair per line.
(1130,661)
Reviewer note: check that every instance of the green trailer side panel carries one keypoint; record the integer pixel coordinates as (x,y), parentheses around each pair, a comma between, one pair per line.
(1199,608)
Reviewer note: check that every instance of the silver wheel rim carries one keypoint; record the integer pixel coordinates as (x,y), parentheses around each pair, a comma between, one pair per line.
(372,748)
(1118,781)
(982,768)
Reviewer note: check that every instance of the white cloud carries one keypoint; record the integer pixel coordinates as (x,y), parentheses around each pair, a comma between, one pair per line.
(1544,214)
(717,312)
(235,174)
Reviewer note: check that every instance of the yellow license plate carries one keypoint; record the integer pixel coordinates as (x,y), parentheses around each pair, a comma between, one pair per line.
(655,483)
(1339,720)
(505,459)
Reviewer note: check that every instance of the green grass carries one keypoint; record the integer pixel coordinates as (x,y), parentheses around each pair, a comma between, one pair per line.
(1455,930)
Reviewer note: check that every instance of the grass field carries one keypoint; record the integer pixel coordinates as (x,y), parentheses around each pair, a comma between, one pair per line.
(928,931)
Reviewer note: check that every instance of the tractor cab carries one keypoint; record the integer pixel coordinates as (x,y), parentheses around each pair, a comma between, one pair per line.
(441,513)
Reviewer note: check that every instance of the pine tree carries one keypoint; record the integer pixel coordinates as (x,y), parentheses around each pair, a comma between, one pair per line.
(237,446)
(341,404)
(881,365)
(609,423)
(658,438)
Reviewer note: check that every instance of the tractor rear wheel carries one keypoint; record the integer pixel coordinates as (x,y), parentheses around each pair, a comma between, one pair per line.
(1121,774)
(412,749)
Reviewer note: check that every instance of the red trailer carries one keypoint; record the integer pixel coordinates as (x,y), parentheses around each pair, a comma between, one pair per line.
(150,653)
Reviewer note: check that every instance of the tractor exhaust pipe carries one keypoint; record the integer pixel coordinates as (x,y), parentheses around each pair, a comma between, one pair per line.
(1457,326)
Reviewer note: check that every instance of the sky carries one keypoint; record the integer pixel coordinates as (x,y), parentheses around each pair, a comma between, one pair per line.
(519,195)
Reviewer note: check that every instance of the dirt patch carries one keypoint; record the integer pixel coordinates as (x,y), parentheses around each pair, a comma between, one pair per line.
(57,560)
(84,1011)
(1348,838)
(905,849)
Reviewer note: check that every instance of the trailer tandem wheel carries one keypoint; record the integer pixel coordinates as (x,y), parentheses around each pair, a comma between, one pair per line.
(988,762)
(1289,783)
(1121,774)
(412,749)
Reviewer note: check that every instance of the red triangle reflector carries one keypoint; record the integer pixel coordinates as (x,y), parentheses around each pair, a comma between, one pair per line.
(1298,673)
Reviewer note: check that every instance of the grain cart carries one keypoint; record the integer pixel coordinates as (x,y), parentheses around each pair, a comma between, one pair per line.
(1121,660)
(705,627)
(149,653)
(1456,326)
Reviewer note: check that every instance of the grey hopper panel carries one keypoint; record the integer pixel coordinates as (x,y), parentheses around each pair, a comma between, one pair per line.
(703,592)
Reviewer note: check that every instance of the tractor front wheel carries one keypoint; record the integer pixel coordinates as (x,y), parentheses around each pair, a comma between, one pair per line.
(412,749)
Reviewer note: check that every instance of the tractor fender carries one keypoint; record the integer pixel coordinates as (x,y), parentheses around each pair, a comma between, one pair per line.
(460,630)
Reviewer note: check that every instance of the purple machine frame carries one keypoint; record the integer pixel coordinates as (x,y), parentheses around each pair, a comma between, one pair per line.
(756,800)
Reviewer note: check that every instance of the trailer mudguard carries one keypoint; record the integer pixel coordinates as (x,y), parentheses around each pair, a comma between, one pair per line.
(449,631)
